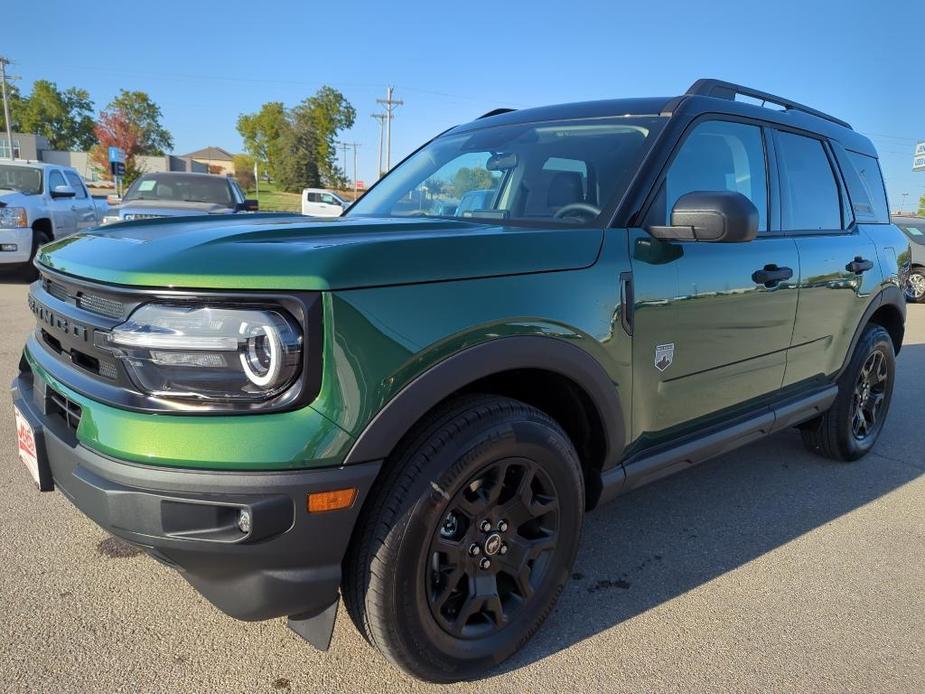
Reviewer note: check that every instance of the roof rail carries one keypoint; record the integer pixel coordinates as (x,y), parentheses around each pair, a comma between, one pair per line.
(728,90)
(495,112)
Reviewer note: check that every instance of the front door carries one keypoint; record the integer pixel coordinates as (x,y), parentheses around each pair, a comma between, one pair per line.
(63,213)
(81,204)
(713,321)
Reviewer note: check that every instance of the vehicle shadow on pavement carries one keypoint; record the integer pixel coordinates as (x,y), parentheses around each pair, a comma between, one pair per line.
(660,541)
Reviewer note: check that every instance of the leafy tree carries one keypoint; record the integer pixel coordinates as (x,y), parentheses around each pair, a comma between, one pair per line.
(262,133)
(437,187)
(15,100)
(473,178)
(138,108)
(244,171)
(117,129)
(63,117)
(922,206)
(326,113)
(298,167)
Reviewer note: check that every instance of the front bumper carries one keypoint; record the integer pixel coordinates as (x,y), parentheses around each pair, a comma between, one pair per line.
(22,239)
(288,563)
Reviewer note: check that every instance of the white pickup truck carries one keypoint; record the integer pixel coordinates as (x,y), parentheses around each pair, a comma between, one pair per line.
(38,203)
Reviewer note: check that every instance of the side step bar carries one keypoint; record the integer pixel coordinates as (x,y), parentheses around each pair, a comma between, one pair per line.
(666,461)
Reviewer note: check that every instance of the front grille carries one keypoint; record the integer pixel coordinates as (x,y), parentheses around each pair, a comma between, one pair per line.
(59,405)
(57,290)
(88,301)
(140,215)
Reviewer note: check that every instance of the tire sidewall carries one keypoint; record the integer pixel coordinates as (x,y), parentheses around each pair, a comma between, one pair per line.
(875,338)
(441,478)
(921,273)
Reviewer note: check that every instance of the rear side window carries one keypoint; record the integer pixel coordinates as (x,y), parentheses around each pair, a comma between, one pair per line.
(865,186)
(718,156)
(809,194)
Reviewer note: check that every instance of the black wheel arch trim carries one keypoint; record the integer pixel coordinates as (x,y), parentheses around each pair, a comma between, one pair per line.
(392,422)
(889,296)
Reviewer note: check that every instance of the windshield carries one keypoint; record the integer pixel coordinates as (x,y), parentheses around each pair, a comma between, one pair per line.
(181,188)
(24,179)
(565,172)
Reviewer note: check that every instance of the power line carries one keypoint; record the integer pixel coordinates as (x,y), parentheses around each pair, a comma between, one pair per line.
(390,105)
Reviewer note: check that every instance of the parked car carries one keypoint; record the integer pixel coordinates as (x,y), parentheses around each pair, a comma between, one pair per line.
(914,227)
(473,201)
(417,412)
(317,202)
(180,194)
(38,203)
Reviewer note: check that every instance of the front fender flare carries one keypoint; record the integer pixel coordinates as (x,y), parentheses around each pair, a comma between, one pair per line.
(428,389)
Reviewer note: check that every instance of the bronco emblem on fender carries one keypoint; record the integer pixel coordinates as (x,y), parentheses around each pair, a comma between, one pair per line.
(664,355)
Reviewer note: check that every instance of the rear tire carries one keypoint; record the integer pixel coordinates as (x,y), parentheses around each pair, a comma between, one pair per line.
(853,424)
(482,471)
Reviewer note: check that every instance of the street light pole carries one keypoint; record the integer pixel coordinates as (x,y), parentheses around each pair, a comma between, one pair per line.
(902,205)
(6,106)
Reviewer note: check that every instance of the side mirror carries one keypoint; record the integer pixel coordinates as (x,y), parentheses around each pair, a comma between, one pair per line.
(249,205)
(715,216)
(63,192)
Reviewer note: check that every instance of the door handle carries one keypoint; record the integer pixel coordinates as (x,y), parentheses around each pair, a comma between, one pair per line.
(859,265)
(771,275)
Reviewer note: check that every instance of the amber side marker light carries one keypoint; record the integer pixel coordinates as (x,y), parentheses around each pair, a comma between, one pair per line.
(319,502)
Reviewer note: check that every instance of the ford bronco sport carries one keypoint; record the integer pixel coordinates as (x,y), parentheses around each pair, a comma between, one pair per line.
(414,409)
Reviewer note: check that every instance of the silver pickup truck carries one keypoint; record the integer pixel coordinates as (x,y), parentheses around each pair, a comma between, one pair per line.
(38,203)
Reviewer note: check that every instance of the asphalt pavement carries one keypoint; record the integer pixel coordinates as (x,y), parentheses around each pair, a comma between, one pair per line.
(768,569)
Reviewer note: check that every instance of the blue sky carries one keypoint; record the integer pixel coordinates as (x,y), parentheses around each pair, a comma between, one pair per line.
(205,62)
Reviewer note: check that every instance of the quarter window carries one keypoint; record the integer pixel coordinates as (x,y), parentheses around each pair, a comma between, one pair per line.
(721,156)
(809,194)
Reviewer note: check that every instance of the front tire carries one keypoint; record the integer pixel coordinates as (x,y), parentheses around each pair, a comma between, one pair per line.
(853,424)
(915,286)
(469,540)
(28,271)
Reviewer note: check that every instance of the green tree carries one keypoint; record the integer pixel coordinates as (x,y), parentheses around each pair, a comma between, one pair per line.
(244,171)
(922,206)
(63,117)
(325,114)
(263,132)
(473,178)
(15,101)
(154,138)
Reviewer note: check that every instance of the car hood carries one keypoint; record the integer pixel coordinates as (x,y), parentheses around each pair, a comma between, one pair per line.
(296,252)
(13,198)
(167,208)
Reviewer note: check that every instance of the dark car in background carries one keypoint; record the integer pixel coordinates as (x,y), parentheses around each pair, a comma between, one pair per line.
(180,194)
(914,227)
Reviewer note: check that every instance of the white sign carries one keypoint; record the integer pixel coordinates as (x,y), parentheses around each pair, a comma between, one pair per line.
(918,163)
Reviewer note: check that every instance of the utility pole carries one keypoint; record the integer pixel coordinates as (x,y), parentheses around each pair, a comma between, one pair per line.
(355,145)
(381,118)
(6,106)
(390,105)
(344,146)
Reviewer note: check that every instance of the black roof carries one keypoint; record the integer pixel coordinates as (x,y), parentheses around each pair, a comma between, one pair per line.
(704,96)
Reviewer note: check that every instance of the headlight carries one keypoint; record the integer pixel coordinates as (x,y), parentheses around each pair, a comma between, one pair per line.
(13,217)
(111,219)
(208,353)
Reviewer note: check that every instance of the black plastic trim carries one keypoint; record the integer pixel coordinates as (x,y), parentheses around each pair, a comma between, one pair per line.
(417,398)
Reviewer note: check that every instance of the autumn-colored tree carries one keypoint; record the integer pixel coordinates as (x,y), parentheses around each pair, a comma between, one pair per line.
(116,129)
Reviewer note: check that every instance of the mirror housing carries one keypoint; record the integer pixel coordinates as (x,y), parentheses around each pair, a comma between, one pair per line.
(63,192)
(249,205)
(713,216)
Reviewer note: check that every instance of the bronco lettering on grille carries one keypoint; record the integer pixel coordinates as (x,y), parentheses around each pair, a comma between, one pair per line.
(68,326)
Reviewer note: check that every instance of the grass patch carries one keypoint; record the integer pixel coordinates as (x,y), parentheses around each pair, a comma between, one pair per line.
(272,200)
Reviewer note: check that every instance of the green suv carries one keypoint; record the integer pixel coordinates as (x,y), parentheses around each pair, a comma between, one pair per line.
(413,405)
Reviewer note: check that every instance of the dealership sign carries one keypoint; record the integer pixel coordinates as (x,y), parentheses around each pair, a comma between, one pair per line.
(918,162)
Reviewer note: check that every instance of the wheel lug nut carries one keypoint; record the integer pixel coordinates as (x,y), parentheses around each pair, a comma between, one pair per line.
(503,549)
(502,526)
(484,526)
(485,563)
(474,550)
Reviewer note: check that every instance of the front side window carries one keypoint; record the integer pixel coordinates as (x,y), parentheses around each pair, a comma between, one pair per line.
(809,194)
(75,183)
(55,179)
(720,156)
(564,172)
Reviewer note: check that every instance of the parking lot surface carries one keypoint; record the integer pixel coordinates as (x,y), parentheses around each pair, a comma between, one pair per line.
(768,569)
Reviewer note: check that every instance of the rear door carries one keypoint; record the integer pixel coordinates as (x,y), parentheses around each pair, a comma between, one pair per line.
(63,210)
(81,204)
(839,262)
(709,334)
